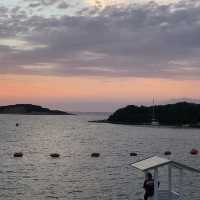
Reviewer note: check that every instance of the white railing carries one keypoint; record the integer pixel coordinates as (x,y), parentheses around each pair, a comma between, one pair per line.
(165,195)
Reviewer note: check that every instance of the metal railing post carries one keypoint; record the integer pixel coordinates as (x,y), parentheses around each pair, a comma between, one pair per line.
(156,184)
(170,182)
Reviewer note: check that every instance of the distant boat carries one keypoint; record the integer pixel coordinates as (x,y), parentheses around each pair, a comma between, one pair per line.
(154,122)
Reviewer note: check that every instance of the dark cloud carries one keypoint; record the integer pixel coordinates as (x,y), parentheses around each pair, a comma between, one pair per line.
(34,5)
(63,5)
(3,10)
(140,40)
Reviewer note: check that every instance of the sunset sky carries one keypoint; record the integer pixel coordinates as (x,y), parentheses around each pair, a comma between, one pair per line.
(98,55)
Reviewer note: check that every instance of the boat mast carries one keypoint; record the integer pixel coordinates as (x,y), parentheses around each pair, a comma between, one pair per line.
(154,122)
(153,112)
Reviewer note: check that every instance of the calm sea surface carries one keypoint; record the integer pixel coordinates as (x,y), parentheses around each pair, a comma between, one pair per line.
(77,176)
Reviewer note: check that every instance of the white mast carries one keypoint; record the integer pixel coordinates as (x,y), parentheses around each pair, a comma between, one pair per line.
(154,122)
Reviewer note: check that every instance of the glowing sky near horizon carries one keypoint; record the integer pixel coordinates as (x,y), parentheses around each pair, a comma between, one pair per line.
(104,3)
(73,93)
(97,55)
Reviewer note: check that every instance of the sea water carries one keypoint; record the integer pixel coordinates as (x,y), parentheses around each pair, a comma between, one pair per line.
(78,176)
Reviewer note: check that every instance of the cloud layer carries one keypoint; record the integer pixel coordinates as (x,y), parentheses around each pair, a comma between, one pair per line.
(148,40)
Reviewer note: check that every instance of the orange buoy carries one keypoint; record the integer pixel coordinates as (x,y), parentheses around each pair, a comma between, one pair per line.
(194,152)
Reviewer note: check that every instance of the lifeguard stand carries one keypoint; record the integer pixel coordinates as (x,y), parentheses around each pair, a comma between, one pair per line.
(154,163)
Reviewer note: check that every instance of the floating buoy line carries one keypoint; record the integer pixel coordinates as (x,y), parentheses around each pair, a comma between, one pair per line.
(97,155)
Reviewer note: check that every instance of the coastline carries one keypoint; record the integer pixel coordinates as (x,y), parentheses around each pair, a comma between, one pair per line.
(179,115)
(37,114)
(29,109)
(147,125)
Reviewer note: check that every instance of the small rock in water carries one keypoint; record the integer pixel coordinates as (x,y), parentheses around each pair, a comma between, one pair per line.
(133,154)
(55,155)
(95,155)
(194,152)
(18,154)
(167,153)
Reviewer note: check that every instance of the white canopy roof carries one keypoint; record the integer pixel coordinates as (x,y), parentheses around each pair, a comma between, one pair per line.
(150,163)
(155,162)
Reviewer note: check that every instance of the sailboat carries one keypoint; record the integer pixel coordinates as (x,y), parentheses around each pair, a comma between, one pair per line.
(154,122)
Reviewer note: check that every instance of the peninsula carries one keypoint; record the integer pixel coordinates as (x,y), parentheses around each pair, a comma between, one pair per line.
(29,109)
(182,114)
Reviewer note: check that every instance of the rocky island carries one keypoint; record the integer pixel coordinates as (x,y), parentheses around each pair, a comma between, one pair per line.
(182,114)
(29,109)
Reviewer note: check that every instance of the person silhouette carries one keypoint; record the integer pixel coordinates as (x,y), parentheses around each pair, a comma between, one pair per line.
(148,186)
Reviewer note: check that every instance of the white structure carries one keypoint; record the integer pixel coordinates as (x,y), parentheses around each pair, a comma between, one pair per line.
(154,122)
(154,163)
